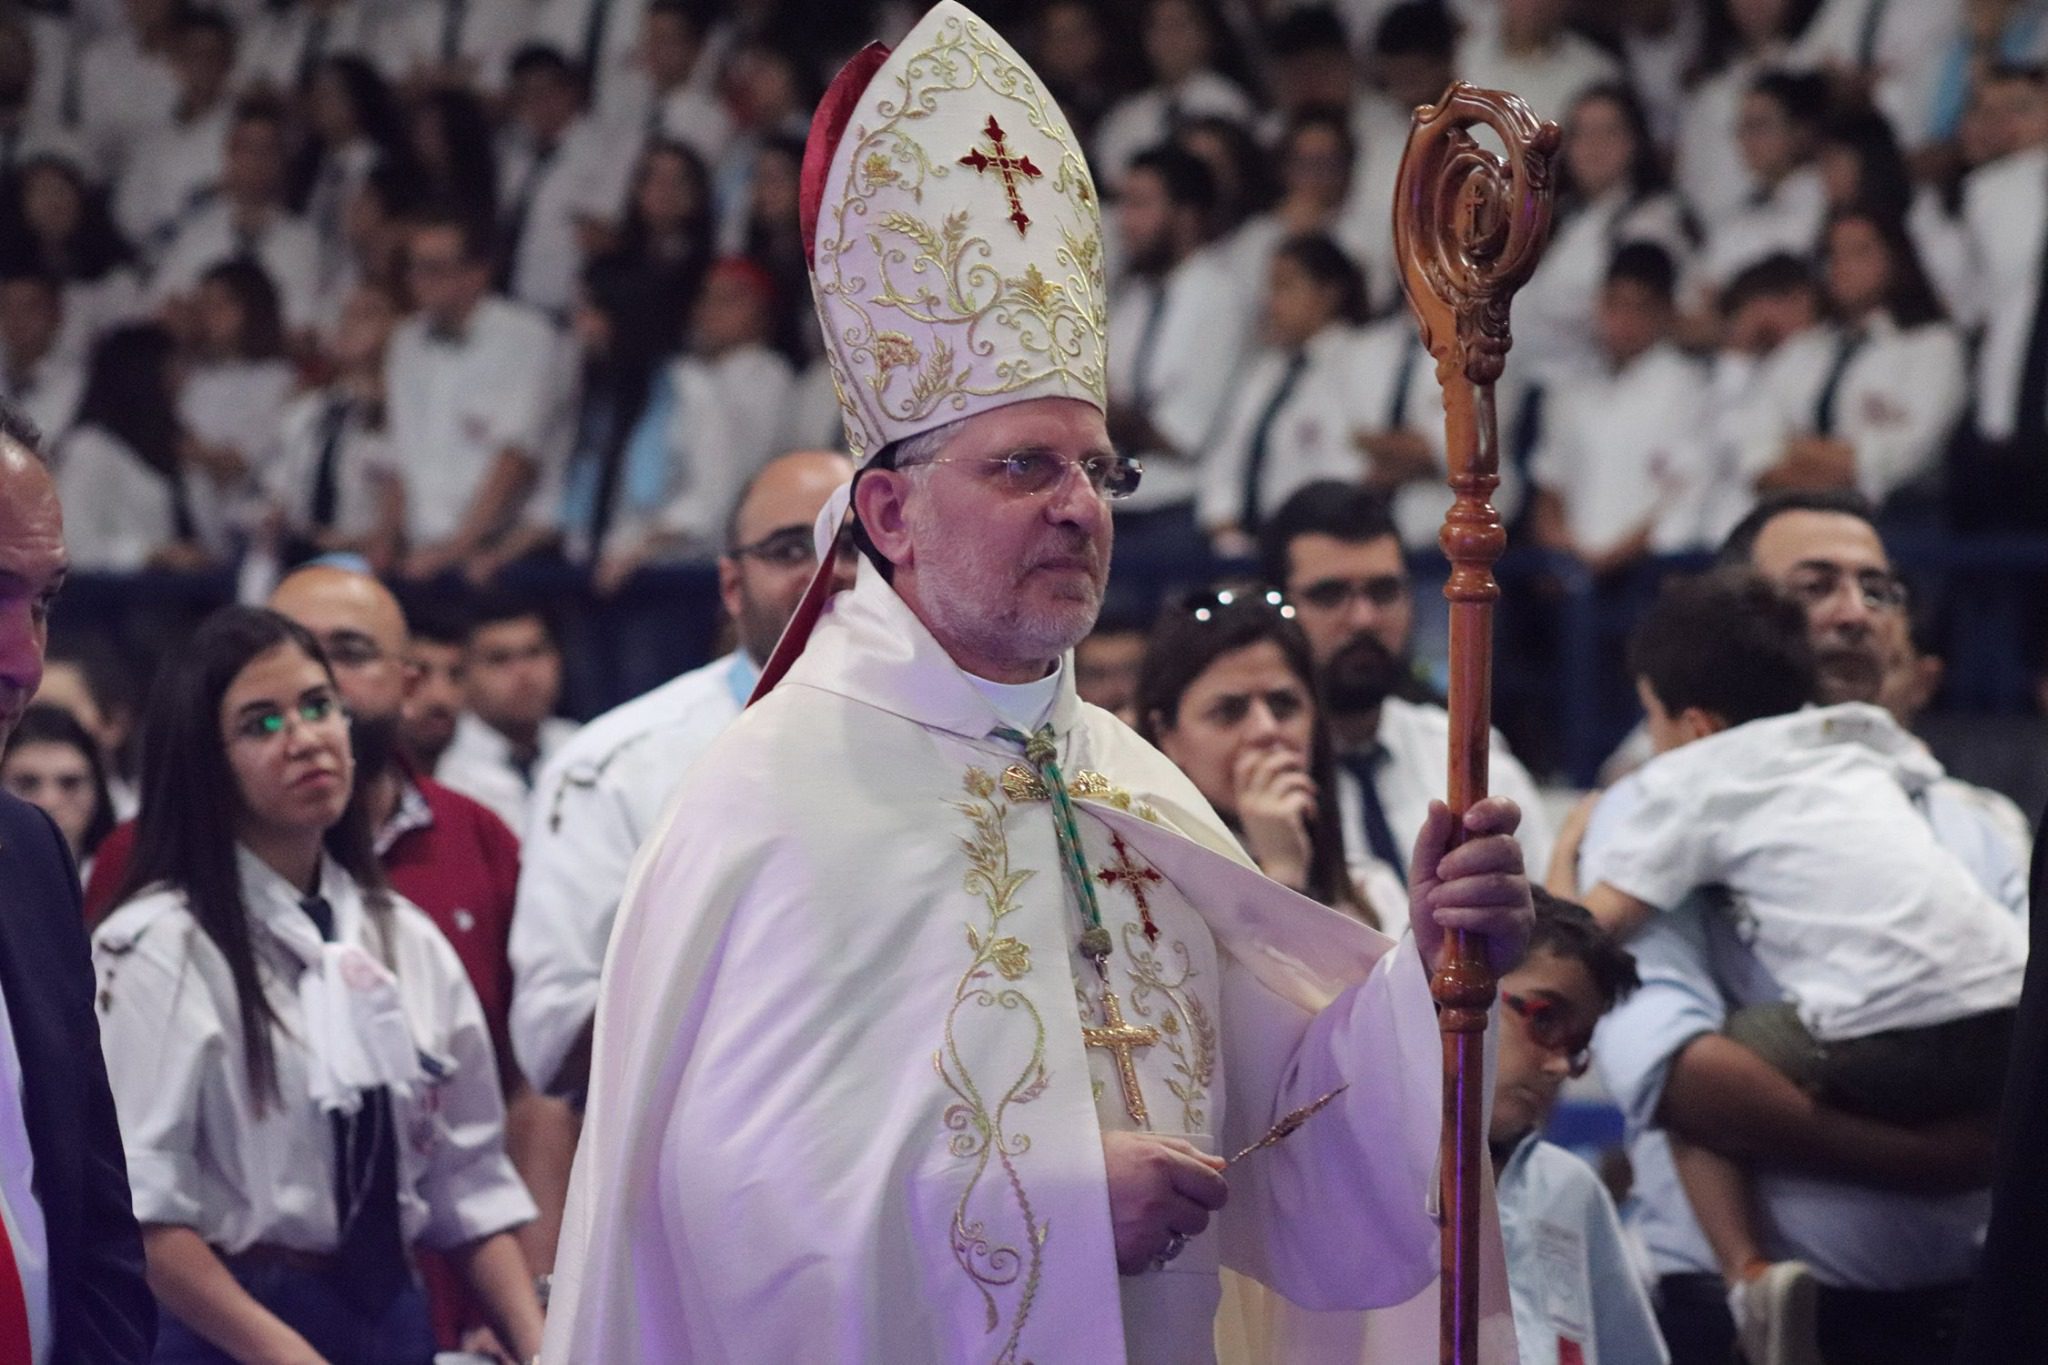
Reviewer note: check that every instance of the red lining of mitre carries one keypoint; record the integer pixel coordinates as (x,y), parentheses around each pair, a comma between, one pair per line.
(828,125)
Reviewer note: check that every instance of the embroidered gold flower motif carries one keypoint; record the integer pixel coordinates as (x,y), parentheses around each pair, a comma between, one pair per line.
(1021,784)
(1012,957)
(1088,782)
(879,172)
(1034,286)
(893,350)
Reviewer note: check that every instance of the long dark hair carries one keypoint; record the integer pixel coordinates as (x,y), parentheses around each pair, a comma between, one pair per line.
(95,247)
(1645,174)
(1326,263)
(1909,297)
(1721,42)
(255,293)
(45,723)
(471,177)
(185,833)
(379,118)
(1883,180)
(1185,643)
(128,394)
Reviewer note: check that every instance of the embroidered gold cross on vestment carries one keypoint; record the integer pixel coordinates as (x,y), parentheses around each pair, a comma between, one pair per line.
(1120,1040)
(1006,164)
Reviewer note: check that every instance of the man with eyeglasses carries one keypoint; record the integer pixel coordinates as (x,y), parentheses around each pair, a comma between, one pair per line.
(939,1001)
(1886,1220)
(602,794)
(1334,550)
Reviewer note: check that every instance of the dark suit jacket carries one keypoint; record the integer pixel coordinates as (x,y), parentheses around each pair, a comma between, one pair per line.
(2009,1310)
(103,1311)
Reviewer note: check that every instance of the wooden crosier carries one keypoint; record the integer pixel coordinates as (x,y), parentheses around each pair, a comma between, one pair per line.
(1468,229)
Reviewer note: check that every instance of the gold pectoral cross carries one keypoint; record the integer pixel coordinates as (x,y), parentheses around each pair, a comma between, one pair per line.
(1120,1040)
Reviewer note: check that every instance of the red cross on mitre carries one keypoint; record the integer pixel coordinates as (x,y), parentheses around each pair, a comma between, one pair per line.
(997,156)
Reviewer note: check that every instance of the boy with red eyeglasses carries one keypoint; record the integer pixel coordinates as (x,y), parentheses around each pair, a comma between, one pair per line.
(1577,1297)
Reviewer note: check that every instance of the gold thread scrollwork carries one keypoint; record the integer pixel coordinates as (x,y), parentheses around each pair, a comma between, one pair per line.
(978,1127)
(1160,979)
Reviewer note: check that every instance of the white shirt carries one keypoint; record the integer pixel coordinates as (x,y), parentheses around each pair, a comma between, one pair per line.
(1786,218)
(285,246)
(21,1213)
(1417,770)
(478,763)
(2005,214)
(123,93)
(1897,401)
(690,113)
(1554,312)
(1548,81)
(1626,449)
(1138,123)
(277,45)
(595,802)
(203,1154)
(117,510)
(174,168)
(1838,883)
(48,391)
(1174,350)
(1569,1270)
(566,25)
(92,308)
(729,419)
(456,405)
(362,466)
(1379,129)
(413,33)
(585,178)
(1708,164)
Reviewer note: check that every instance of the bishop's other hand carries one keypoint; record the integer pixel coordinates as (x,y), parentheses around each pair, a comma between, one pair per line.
(1478,886)
(1161,1193)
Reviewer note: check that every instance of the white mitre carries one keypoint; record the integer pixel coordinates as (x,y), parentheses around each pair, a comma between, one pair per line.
(954,235)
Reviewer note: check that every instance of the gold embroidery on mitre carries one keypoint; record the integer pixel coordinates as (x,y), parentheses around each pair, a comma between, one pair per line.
(909,246)
(977,1122)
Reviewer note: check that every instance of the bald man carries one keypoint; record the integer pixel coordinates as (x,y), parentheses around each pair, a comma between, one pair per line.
(600,795)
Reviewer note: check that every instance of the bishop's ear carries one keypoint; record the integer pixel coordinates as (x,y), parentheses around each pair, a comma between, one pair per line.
(879,501)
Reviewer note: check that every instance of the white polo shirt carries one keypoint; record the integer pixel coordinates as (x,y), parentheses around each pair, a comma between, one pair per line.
(454,405)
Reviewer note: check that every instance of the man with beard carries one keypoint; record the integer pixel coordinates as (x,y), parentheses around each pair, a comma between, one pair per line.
(937,996)
(1878,1226)
(1334,550)
(602,793)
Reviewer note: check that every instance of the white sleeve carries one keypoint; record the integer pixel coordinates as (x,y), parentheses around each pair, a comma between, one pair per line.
(1905,438)
(1661,847)
(1624,1324)
(1196,362)
(578,850)
(469,1186)
(163,1047)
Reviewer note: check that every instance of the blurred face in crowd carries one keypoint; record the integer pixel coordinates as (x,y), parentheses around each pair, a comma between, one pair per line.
(52,201)
(1145,215)
(1765,321)
(1759,21)
(202,59)
(287,745)
(1859,266)
(32,568)
(1558,1006)
(58,778)
(1106,668)
(147,16)
(446,283)
(1176,40)
(763,577)
(1245,704)
(1772,144)
(1531,21)
(17,64)
(513,675)
(668,194)
(1631,318)
(365,326)
(1834,565)
(670,45)
(1316,167)
(254,170)
(426,723)
(1006,579)
(545,103)
(1412,78)
(777,182)
(1317,76)
(220,319)
(761,88)
(31,316)
(732,311)
(2014,115)
(1598,146)
(329,109)
(1297,304)
(1069,42)
(1352,600)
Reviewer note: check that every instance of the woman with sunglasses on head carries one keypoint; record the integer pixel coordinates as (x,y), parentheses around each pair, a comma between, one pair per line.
(1227,692)
(304,1077)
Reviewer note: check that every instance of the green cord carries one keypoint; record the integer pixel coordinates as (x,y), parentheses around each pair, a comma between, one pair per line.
(1039,751)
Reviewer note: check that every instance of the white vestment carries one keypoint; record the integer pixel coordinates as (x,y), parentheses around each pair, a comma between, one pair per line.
(840,1107)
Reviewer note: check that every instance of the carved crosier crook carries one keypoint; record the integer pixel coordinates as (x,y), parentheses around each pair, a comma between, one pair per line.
(1468,230)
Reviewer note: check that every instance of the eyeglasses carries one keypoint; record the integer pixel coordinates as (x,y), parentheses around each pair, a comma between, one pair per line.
(785,548)
(1880,591)
(347,649)
(1033,473)
(311,712)
(1334,594)
(1545,1020)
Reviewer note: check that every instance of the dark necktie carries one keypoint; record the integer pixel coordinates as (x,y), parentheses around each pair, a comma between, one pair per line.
(1148,343)
(522,206)
(453,12)
(593,42)
(1365,765)
(2030,425)
(326,473)
(1262,440)
(1846,348)
(1404,376)
(370,1262)
(1866,40)
(314,46)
